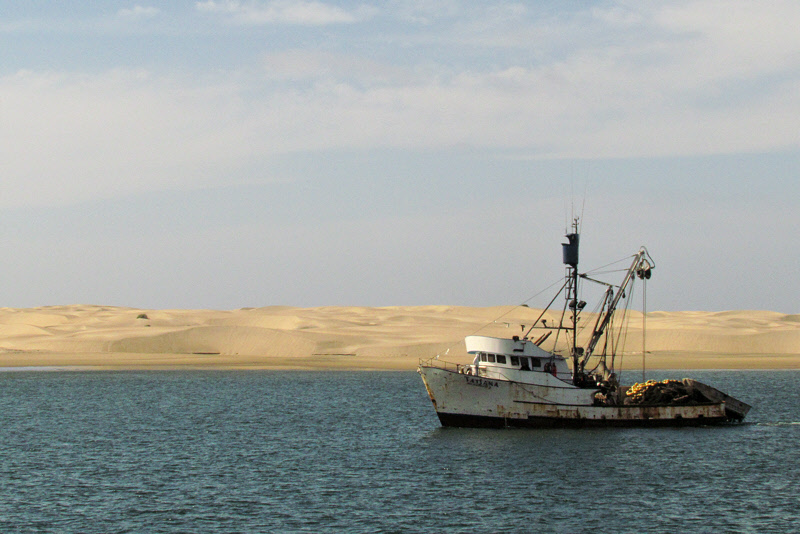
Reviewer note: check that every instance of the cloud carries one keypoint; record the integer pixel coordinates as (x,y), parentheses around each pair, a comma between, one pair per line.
(310,65)
(283,12)
(75,137)
(642,81)
(425,12)
(138,12)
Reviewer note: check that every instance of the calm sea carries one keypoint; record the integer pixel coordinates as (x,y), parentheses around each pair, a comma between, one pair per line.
(363,452)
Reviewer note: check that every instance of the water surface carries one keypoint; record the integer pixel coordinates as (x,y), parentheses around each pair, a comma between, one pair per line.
(191,451)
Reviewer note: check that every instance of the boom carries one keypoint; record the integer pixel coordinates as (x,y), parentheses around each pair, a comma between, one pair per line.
(640,267)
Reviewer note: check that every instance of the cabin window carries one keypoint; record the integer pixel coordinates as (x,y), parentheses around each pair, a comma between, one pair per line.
(501,359)
(514,361)
(491,358)
(525,365)
(536,362)
(483,356)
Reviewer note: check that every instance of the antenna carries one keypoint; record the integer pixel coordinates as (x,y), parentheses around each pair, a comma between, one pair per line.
(583,206)
(572,194)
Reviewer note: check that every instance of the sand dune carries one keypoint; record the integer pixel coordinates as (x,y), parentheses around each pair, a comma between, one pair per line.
(356,337)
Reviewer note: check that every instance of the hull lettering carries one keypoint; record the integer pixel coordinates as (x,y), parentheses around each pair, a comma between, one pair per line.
(481,382)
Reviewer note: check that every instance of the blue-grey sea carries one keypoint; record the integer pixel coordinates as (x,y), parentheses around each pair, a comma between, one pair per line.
(213,452)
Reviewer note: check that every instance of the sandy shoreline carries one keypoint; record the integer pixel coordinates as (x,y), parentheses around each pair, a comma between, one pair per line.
(151,361)
(353,338)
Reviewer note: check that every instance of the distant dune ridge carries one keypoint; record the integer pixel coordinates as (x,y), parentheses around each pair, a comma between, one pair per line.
(282,337)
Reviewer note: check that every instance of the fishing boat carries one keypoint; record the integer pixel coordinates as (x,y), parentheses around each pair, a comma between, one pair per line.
(516,383)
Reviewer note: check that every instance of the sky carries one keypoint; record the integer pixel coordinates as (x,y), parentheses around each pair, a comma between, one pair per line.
(225,154)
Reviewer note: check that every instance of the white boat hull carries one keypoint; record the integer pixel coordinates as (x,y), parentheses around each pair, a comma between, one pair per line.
(470,401)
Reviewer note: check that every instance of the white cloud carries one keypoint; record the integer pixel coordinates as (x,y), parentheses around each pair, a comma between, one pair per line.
(284,12)
(617,16)
(74,137)
(649,81)
(738,41)
(138,11)
(425,12)
(315,66)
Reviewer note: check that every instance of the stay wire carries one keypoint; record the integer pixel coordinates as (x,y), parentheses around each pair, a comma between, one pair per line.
(644,327)
(504,314)
(595,270)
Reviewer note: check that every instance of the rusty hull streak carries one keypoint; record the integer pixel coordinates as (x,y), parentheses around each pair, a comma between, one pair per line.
(430,393)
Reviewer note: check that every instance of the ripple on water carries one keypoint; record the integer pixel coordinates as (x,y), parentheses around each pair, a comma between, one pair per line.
(330,452)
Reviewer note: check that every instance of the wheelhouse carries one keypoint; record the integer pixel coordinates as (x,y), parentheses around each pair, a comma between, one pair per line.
(523,363)
(513,359)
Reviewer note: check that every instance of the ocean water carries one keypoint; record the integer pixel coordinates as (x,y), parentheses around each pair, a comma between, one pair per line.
(213,452)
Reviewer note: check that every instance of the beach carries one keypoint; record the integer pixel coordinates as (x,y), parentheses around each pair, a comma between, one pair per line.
(347,338)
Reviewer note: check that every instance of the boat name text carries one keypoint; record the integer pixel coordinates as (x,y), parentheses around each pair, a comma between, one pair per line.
(481,382)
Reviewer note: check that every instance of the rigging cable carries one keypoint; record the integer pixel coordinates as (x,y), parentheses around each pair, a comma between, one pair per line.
(596,269)
(597,311)
(644,325)
(545,309)
(623,333)
(561,327)
(501,316)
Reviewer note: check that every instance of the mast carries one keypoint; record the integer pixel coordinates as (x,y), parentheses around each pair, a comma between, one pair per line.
(570,256)
(641,267)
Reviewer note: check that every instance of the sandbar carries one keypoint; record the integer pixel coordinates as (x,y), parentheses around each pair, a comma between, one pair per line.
(362,338)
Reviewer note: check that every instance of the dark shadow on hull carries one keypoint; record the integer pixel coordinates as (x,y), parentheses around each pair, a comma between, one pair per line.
(479,421)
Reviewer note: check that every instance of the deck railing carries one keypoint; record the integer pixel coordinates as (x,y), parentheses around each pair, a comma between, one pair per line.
(441,364)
